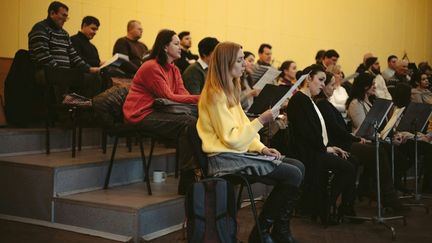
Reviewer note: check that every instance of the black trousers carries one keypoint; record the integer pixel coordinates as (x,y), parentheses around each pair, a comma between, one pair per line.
(172,127)
(366,154)
(345,176)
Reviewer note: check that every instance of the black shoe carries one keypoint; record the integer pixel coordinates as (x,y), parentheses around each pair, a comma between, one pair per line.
(403,189)
(281,232)
(395,205)
(265,225)
(346,211)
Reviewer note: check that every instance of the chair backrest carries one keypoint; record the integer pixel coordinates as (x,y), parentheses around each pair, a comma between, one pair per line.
(198,153)
(108,106)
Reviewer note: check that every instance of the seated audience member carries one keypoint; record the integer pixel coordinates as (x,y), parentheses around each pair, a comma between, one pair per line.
(361,99)
(288,73)
(187,58)
(339,136)
(226,133)
(373,67)
(331,57)
(131,47)
(391,67)
(405,147)
(264,59)
(401,74)
(247,92)
(265,55)
(195,74)
(247,96)
(81,41)
(340,95)
(310,145)
(420,92)
(158,77)
(362,66)
(319,57)
(424,67)
(50,46)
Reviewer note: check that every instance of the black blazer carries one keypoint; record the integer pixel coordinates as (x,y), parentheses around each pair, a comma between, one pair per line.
(337,129)
(306,140)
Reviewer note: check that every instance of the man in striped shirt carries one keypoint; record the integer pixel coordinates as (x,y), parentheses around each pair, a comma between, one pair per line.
(50,44)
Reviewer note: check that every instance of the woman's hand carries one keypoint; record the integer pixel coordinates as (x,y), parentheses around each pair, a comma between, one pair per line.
(364,141)
(271,152)
(268,116)
(338,152)
(254,93)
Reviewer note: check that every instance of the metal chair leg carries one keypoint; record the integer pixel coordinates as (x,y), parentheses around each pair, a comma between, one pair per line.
(177,159)
(146,166)
(104,141)
(108,175)
(72,112)
(79,137)
(47,138)
(253,207)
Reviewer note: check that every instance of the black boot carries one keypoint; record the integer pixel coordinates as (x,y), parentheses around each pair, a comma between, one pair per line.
(281,232)
(265,225)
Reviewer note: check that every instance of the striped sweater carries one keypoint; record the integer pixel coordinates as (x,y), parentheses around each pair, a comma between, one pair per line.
(51,46)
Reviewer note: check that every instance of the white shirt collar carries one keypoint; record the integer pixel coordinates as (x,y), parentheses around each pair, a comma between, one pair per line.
(202,63)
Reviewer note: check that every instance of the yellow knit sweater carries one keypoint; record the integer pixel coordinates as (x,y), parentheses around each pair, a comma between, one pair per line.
(224,129)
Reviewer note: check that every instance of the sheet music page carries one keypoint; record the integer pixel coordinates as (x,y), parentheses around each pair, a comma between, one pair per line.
(290,92)
(392,122)
(113,59)
(268,77)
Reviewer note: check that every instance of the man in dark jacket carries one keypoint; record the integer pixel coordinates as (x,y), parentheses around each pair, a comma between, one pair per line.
(81,41)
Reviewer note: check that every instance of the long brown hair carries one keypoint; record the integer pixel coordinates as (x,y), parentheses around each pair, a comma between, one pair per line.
(221,63)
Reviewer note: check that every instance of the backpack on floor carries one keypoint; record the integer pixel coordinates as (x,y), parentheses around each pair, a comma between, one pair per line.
(211,212)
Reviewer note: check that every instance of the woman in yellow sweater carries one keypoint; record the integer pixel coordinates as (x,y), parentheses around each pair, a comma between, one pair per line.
(227,134)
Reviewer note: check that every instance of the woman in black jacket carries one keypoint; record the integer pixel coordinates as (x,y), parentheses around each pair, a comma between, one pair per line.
(309,143)
(362,149)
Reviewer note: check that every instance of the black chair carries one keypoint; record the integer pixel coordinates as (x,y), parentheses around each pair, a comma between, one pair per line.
(108,107)
(238,178)
(57,83)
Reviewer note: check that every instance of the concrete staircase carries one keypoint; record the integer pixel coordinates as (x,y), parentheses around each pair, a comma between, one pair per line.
(59,189)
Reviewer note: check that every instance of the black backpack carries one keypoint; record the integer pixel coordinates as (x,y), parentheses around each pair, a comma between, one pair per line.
(211,212)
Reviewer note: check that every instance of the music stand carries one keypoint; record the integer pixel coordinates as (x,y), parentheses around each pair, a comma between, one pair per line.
(377,113)
(379,219)
(369,129)
(414,120)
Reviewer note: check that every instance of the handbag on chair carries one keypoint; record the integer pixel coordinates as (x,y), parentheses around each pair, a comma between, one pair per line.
(169,106)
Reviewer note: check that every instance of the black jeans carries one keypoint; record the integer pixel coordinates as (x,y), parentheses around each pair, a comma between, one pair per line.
(173,127)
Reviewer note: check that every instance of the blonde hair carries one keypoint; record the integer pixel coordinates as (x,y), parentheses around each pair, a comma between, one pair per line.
(221,63)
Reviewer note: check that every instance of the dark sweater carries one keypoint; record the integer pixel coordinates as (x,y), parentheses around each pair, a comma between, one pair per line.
(51,46)
(86,49)
(337,129)
(183,62)
(134,49)
(194,77)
